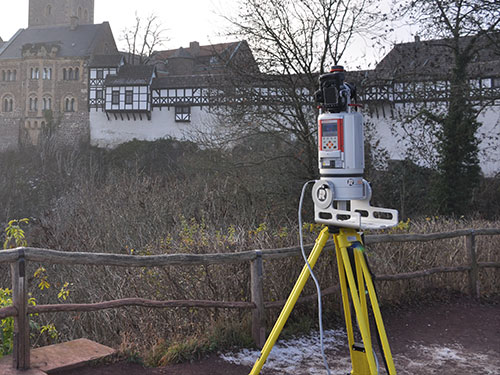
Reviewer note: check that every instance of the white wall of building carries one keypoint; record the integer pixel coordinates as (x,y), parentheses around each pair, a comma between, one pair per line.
(111,133)
(393,138)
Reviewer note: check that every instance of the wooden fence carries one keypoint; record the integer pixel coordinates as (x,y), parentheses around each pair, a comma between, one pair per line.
(20,310)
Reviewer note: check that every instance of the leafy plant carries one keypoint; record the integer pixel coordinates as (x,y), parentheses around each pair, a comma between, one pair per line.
(15,236)
(6,325)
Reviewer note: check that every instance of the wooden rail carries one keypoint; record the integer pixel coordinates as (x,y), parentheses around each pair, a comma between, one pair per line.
(20,310)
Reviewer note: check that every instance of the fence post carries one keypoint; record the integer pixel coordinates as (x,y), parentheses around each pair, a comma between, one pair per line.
(470,243)
(258,314)
(21,350)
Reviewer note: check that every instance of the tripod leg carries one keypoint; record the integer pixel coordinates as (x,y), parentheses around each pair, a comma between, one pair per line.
(345,295)
(290,303)
(363,360)
(378,316)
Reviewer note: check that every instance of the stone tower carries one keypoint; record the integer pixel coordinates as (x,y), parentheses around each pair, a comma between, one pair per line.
(60,12)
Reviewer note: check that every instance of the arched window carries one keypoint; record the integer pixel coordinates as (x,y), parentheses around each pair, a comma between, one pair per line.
(72,105)
(80,12)
(9,75)
(14,75)
(6,105)
(77,74)
(48,10)
(67,105)
(65,74)
(4,75)
(70,74)
(47,104)
(37,73)
(33,103)
(86,15)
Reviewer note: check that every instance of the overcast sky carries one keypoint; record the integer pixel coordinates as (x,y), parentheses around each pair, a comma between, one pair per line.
(185,21)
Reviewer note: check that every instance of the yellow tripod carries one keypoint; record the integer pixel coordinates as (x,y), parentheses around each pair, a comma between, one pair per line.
(355,278)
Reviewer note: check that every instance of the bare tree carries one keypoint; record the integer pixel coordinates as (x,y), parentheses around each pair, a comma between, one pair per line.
(467,28)
(293,42)
(143,38)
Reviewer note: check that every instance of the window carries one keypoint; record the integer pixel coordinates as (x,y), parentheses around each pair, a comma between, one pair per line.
(8,104)
(182,114)
(47,104)
(100,74)
(495,82)
(71,74)
(33,104)
(115,98)
(14,75)
(129,97)
(69,105)
(48,10)
(4,75)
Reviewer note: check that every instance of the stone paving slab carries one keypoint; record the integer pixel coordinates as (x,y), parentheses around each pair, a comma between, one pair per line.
(58,357)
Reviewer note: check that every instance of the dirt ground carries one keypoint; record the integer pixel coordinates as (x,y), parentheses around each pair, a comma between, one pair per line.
(460,337)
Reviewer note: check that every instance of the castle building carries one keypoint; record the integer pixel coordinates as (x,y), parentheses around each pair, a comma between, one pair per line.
(44,72)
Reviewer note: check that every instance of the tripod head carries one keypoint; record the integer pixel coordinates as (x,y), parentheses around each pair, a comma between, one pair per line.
(341,196)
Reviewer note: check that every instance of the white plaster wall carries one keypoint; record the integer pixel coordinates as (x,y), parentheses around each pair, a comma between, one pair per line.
(397,148)
(111,133)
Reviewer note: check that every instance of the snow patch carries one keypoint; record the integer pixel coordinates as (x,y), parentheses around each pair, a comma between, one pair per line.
(441,358)
(300,355)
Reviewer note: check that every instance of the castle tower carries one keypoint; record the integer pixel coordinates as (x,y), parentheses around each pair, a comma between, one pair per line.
(60,12)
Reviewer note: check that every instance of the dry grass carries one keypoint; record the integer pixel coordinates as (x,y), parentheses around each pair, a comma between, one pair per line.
(128,211)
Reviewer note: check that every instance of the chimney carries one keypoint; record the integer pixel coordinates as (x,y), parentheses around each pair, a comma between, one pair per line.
(417,39)
(194,48)
(73,23)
